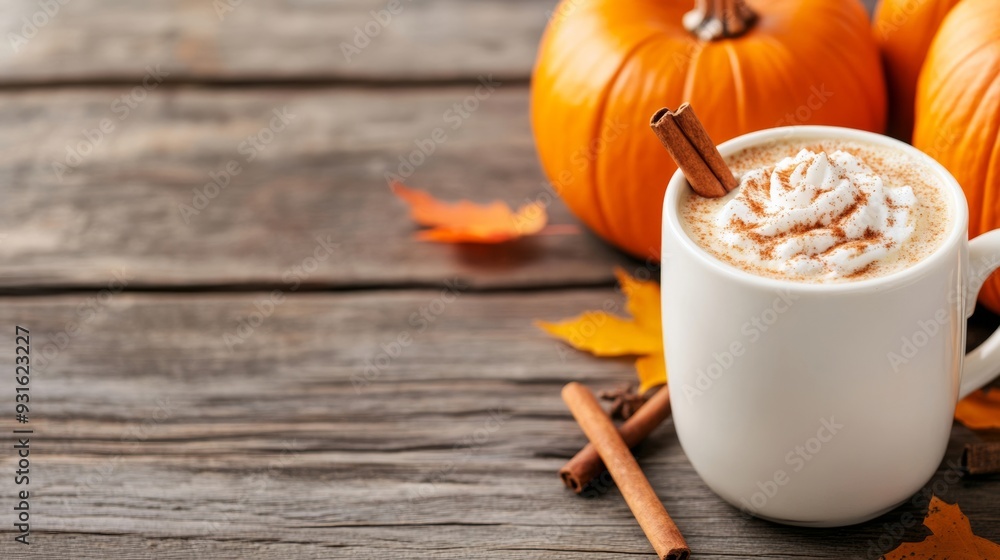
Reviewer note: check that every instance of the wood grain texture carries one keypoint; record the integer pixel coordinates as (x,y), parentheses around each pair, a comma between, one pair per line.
(320,178)
(203,41)
(196,40)
(152,437)
(176,426)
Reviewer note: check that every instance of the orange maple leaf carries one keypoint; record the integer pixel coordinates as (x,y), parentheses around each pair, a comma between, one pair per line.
(605,335)
(467,222)
(980,410)
(951,538)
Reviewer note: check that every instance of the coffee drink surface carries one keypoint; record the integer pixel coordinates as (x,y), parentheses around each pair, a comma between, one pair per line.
(822,212)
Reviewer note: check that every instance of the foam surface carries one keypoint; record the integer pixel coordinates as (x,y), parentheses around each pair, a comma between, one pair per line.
(822,212)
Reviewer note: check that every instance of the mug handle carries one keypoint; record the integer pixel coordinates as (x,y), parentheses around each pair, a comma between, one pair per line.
(983,363)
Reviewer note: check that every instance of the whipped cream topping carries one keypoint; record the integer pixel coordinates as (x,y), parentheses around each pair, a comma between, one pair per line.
(817,215)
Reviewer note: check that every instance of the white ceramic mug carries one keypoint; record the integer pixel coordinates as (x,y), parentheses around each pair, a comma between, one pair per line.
(821,404)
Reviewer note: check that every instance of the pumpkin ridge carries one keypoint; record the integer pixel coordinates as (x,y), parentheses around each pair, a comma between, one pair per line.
(870,106)
(874,103)
(904,30)
(958,113)
(612,83)
(993,163)
(692,64)
(947,43)
(967,59)
(736,69)
(975,114)
(789,83)
(844,23)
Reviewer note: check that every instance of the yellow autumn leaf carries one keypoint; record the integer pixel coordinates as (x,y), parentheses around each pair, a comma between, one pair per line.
(603,334)
(642,301)
(652,370)
(606,335)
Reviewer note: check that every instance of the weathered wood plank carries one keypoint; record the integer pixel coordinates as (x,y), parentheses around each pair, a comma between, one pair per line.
(203,40)
(152,434)
(81,205)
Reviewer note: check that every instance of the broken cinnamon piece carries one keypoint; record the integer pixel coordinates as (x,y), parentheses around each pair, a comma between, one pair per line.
(587,464)
(981,458)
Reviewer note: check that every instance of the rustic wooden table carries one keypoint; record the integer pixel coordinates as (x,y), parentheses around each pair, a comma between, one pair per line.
(247,394)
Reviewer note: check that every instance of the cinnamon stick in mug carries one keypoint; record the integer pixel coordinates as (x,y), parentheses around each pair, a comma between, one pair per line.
(682,133)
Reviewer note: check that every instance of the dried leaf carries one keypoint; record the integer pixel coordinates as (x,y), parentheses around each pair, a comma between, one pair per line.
(642,301)
(467,222)
(980,410)
(606,335)
(652,371)
(951,538)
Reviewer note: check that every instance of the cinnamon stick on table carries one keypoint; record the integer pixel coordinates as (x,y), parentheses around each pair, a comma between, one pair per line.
(694,151)
(981,458)
(639,495)
(587,464)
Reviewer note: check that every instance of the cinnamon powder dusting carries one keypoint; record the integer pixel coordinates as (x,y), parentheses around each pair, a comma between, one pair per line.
(766,245)
(931,217)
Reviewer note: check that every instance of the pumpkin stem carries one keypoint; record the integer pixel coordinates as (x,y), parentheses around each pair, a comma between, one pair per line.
(711,20)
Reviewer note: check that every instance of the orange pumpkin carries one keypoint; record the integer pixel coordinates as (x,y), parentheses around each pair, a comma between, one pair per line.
(904,30)
(604,67)
(958,113)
